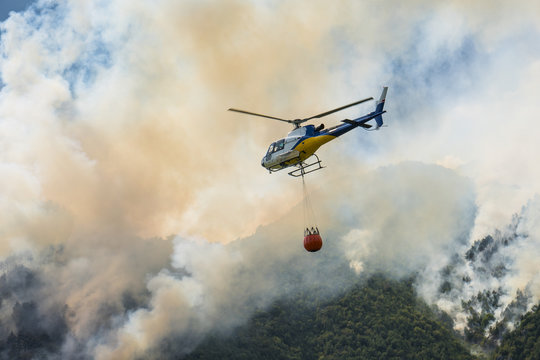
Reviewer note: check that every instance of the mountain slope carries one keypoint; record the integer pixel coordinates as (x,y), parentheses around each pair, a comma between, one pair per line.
(379,319)
(524,341)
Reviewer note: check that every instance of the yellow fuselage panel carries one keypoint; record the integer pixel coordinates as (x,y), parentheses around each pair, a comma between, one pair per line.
(307,147)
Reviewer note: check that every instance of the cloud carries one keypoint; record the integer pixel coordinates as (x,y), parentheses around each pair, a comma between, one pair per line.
(404,225)
(497,274)
(407,215)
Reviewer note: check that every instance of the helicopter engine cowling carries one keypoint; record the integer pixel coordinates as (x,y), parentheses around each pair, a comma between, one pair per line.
(319,128)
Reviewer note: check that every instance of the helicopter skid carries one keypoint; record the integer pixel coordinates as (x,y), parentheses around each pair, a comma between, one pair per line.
(304,168)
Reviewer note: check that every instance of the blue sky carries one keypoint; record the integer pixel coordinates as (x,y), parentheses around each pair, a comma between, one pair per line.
(12,5)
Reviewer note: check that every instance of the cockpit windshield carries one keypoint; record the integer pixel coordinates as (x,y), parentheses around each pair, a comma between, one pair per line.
(278,145)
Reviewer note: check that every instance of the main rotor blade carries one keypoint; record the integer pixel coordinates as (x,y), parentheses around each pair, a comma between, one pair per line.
(261,115)
(338,109)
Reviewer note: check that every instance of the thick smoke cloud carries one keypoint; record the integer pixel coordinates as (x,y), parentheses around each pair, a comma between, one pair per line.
(29,326)
(402,224)
(497,274)
(126,186)
(218,286)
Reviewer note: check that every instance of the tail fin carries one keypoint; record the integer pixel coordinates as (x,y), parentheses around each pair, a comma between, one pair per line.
(380,106)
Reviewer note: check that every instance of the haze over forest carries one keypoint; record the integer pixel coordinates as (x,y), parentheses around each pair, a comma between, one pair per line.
(133,208)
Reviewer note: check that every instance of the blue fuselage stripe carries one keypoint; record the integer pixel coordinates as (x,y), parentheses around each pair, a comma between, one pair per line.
(341,129)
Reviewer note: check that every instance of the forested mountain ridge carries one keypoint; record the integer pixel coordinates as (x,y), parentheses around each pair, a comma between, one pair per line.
(364,317)
(378,319)
(524,341)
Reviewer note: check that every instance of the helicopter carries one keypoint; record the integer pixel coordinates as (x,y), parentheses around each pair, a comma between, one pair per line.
(303,141)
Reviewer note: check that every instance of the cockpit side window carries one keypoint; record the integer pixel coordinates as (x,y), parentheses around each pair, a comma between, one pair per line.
(271,148)
(280,145)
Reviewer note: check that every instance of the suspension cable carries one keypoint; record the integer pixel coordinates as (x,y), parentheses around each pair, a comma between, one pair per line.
(309,214)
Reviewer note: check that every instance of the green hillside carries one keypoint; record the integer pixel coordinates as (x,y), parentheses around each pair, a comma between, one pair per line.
(379,319)
(524,341)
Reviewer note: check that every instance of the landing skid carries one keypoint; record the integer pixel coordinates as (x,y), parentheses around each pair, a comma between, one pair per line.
(304,168)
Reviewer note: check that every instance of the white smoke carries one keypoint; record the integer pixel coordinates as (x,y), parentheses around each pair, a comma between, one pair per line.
(409,214)
(503,264)
(218,286)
